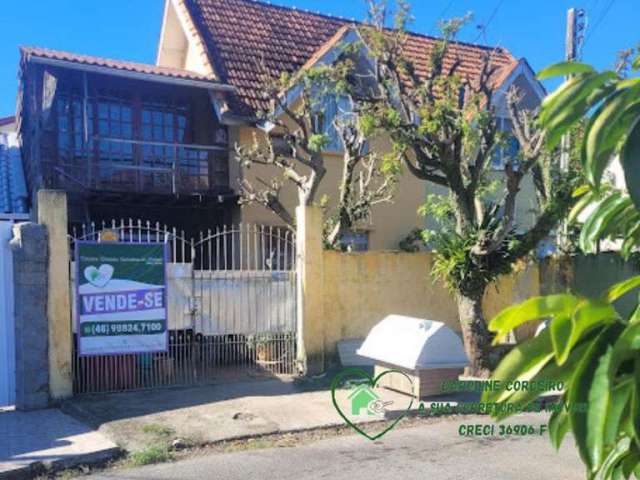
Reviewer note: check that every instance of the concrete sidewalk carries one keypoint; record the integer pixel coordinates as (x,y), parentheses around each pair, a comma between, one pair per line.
(214,413)
(31,441)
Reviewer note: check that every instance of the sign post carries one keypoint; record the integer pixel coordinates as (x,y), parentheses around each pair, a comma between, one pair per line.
(122,298)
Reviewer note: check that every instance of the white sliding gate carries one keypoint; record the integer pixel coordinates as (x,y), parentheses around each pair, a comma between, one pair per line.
(7,325)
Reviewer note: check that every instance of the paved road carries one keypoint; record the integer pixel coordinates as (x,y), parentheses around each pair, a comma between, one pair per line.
(432,451)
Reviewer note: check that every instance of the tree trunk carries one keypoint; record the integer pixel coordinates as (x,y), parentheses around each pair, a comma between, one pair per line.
(475,334)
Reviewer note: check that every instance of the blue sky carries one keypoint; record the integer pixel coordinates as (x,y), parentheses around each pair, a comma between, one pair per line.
(129,29)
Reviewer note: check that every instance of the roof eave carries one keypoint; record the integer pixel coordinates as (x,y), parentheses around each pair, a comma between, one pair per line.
(150,77)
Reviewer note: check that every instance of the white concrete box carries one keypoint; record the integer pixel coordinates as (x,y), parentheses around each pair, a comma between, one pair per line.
(427,351)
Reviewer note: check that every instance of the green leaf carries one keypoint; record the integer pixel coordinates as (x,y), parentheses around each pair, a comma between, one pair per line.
(576,102)
(522,363)
(561,329)
(599,397)
(588,314)
(620,396)
(630,160)
(590,385)
(560,99)
(580,205)
(532,309)
(561,95)
(599,220)
(619,289)
(609,126)
(613,459)
(564,69)
(551,372)
(631,462)
(558,426)
(627,346)
(581,190)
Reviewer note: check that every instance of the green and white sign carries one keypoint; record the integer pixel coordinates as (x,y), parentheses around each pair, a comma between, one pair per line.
(121,298)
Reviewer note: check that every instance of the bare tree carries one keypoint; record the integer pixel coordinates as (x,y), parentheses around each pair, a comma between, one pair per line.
(443,125)
(294,144)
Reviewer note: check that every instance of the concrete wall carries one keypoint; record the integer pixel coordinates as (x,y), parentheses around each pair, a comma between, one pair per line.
(52,213)
(360,289)
(590,276)
(30,265)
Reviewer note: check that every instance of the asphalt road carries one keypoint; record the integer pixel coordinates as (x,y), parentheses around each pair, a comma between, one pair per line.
(428,451)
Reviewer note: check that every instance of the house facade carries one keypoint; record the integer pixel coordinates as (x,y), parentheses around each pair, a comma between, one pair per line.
(125,140)
(157,141)
(233,39)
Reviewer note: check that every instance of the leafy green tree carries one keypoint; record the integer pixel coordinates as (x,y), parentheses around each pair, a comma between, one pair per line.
(443,128)
(587,344)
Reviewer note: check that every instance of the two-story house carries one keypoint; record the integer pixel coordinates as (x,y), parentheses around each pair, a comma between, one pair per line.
(125,140)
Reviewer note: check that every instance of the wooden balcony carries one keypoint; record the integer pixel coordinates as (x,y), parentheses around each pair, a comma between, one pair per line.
(142,167)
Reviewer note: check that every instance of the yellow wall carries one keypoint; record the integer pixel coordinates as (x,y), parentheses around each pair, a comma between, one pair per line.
(390,222)
(360,289)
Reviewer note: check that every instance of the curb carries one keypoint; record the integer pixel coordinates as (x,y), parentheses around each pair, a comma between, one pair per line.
(38,468)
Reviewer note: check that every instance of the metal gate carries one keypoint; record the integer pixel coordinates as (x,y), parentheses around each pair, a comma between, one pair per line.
(7,327)
(231,301)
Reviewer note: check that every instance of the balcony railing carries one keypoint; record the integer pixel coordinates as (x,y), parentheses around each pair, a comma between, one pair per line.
(134,166)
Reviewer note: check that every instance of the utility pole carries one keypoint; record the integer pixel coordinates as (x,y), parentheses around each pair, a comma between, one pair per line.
(573,42)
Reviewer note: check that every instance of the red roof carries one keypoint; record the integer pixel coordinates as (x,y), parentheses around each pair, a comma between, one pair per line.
(239,34)
(143,68)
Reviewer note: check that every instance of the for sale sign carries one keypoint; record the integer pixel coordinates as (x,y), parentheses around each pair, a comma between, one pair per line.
(122,298)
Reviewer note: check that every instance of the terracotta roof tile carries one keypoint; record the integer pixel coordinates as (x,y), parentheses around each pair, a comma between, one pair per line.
(241,33)
(115,64)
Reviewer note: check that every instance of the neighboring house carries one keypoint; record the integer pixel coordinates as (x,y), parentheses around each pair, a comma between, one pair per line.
(13,191)
(125,140)
(157,142)
(229,39)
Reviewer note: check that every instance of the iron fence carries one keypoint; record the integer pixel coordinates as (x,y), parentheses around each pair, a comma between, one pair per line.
(231,308)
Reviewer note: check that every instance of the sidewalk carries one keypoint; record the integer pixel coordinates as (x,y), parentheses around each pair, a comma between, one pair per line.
(30,441)
(211,414)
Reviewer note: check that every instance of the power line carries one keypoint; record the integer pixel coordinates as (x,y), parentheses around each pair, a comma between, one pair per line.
(599,21)
(483,28)
(444,10)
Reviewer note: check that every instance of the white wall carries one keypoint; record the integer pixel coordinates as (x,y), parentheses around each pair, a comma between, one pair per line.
(7,327)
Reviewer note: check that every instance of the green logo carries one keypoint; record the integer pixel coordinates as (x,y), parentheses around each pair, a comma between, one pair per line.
(366,399)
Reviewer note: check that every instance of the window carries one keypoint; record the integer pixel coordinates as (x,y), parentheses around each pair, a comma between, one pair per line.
(510,151)
(134,142)
(70,134)
(162,126)
(115,129)
(328,109)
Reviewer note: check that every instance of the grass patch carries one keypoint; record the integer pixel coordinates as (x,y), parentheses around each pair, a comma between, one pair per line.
(158,430)
(151,454)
